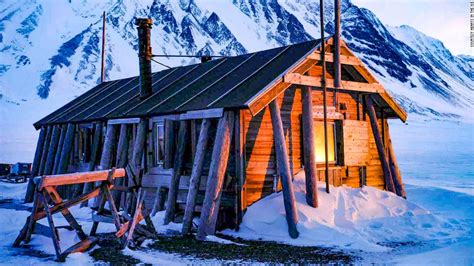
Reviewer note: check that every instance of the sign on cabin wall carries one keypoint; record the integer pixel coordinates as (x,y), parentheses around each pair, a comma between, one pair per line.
(356,142)
(318,112)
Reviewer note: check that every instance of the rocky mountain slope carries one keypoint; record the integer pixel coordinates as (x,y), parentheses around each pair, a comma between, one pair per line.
(50,51)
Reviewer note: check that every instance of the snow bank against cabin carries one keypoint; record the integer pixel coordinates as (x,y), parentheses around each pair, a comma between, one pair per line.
(365,218)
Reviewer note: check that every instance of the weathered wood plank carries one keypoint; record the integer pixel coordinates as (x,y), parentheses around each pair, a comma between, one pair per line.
(178,166)
(298,79)
(284,170)
(57,157)
(215,181)
(66,149)
(196,176)
(309,148)
(44,154)
(53,145)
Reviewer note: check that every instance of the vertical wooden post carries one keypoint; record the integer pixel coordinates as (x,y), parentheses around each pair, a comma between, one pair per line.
(57,157)
(107,152)
(169,143)
(138,148)
(196,176)
(309,146)
(121,160)
(53,145)
(36,162)
(86,144)
(215,180)
(93,160)
(66,149)
(178,167)
(284,169)
(44,153)
(239,138)
(378,141)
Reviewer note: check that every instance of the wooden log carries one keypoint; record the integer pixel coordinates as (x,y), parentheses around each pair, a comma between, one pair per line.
(44,153)
(57,157)
(77,178)
(55,237)
(309,148)
(240,196)
(284,170)
(397,177)
(36,163)
(215,180)
(66,149)
(178,167)
(378,141)
(160,200)
(138,148)
(86,144)
(107,151)
(196,176)
(93,159)
(53,145)
(121,160)
(169,144)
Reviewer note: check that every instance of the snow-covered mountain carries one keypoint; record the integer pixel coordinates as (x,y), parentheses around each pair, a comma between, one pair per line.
(50,51)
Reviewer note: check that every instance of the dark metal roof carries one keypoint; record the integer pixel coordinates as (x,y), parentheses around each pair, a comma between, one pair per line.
(222,83)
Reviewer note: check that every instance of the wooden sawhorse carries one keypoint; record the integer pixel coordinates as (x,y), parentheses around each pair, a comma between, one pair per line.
(46,193)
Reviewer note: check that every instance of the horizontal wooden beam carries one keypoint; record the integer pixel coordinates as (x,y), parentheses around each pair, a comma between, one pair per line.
(134,120)
(161,118)
(329,57)
(298,79)
(77,178)
(201,114)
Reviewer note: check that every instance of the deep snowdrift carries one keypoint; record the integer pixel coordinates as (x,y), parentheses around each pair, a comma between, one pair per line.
(367,219)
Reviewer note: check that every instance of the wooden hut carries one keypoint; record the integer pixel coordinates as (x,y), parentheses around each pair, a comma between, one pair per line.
(215,137)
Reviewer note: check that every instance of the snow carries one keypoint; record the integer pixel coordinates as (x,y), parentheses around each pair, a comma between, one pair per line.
(360,219)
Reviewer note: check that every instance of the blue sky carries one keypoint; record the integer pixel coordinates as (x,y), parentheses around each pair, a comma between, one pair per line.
(446,20)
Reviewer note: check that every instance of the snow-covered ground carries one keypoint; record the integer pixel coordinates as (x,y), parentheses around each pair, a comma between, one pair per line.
(435,225)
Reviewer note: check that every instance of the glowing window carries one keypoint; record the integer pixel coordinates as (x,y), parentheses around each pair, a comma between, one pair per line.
(319,139)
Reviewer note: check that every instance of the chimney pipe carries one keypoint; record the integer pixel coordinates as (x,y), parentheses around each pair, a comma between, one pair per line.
(337,46)
(144,55)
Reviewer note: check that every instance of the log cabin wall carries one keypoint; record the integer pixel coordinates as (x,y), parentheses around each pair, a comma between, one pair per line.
(360,164)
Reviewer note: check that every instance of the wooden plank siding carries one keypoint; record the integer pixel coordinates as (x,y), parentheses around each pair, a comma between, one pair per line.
(359,147)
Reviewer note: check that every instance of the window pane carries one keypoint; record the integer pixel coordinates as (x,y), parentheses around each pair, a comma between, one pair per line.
(319,136)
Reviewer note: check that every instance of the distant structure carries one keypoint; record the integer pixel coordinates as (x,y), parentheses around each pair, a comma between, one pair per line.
(210,139)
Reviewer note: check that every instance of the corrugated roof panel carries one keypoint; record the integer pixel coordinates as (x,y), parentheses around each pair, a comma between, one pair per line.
(174,74)
(200,85)
(90,101)
(232,79)
(266,75)
(166,94)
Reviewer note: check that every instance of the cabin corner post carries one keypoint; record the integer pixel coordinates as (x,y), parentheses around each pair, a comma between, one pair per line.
(309,148)
(196,176)
(378,142)
(283,165)
(215,180)
(177,169)
(35,167)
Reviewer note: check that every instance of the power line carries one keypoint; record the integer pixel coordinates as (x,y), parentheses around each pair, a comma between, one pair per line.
(160,63)
(189,56)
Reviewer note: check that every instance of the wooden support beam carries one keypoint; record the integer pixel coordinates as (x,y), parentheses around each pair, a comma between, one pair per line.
(239,153)
(35,167)
(196,176)
(309,148)
(283,165)
(66,149)
(215,180)
(53,145)
(202,114)
(298,79)
(109,143)
(378,141)
(121,121)
(344,59)
(78,178)
(93,159)
(177,169)
(57,157)
(138,148)
(169,143)
(44,152)
(397,177)
(121,160)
